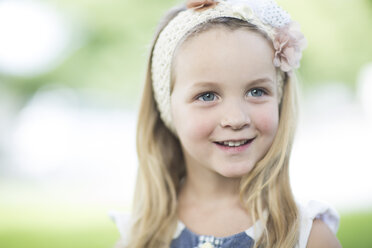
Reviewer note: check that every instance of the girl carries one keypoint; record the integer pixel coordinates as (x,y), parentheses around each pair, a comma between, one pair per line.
(215,133)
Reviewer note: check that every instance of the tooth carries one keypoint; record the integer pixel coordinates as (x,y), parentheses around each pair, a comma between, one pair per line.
(234,143)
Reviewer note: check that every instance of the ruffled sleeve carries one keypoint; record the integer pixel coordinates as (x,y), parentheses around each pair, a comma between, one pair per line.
(316,210)
(123,223)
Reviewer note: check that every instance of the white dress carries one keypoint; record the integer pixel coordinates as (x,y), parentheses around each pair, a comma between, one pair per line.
(183,237)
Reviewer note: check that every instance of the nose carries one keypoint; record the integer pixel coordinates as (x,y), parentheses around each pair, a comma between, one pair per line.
(235,116)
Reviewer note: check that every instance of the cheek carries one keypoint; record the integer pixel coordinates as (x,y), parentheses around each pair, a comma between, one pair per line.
(198,124)
(267,120)
(191,123)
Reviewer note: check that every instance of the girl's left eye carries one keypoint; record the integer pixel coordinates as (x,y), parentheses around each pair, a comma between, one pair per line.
(256,92)
(207,97)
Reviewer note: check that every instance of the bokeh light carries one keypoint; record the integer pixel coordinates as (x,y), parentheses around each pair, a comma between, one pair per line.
(34,37)
(71,73)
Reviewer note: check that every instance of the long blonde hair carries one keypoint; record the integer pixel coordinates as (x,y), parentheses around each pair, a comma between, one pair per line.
(162,167)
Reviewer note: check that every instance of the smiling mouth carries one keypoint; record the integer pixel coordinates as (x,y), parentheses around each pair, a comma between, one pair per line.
(234,143)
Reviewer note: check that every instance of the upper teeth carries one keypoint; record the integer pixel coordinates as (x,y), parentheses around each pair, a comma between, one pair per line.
(234,143)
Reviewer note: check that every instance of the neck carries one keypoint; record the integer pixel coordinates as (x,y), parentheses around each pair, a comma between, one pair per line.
(209,203)
(204,185)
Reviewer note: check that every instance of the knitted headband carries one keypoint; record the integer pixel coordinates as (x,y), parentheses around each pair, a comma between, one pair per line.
(288,41)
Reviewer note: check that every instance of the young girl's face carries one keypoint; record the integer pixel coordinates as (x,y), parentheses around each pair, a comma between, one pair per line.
(225,100)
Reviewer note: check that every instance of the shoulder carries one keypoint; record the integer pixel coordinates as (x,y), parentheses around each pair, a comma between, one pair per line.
(318,223)
(322,236)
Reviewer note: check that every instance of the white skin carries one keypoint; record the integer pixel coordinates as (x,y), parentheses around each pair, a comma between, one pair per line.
(225,89)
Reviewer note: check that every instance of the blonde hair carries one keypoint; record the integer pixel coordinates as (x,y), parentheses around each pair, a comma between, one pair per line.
(162,167)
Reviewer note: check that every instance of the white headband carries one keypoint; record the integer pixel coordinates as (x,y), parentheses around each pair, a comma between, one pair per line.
(288,41)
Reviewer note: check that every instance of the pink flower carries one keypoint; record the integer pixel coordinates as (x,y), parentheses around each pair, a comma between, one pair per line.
(288,44)
(200,4)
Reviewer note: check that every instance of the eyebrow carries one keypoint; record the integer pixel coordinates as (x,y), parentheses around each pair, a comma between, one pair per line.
(261,80)
(216,84)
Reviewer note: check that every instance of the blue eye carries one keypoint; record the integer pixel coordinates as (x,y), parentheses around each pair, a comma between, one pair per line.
(256,92)
(207,97)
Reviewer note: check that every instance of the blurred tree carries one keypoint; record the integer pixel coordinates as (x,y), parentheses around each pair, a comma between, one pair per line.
(116,35)
(338,36)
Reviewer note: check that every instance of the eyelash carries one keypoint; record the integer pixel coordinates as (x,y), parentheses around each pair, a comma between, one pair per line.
(199,97)
(206,93)
(264,92)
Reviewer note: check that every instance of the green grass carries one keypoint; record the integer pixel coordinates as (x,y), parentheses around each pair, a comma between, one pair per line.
(61,227)
(355,230)
(92,237)
(90,227)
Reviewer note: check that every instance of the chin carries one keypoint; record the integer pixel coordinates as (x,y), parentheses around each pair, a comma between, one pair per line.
(236,171)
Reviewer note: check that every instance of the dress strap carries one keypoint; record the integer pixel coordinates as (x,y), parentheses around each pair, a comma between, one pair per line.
(123,224)
(316,210)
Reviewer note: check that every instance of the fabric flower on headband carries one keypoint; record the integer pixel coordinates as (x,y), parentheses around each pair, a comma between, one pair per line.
(288,44)
(288,41)
(200,4)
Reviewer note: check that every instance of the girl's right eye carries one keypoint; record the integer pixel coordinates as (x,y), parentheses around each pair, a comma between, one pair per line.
(207,97)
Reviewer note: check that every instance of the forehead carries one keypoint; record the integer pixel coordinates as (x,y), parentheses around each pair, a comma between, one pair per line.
(220,54)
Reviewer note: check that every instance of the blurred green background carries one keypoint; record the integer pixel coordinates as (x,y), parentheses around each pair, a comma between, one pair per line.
(107,54)
(116,34)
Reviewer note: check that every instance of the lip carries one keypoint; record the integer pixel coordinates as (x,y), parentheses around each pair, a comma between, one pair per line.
(235,140)
(235,149)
